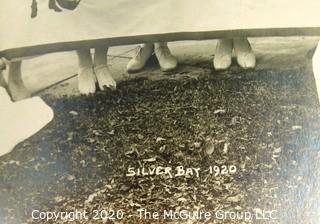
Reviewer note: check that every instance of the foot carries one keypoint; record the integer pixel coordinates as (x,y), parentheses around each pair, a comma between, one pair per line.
(86,80)
(104,77)
(140,59)
(166,60)
(245,56)
(223,55)
(21,120)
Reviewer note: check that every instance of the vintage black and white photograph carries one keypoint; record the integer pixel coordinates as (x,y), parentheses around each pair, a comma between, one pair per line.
(171,111)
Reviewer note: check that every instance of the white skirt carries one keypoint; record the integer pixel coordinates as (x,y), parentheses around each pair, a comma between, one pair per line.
(119,22)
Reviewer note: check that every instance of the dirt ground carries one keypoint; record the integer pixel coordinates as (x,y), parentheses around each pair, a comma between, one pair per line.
(265,122)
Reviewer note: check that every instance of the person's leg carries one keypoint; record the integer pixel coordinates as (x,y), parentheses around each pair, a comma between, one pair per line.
(223,55)
(86,77)
(243,51)
(15,85)
(103,74)
(140,59)
(20,120)
(166,60)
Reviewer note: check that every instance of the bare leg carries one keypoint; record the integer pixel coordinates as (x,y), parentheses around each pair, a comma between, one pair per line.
(103,74)
(223,55)
(166,60)
(17,89)
(245,56)
(86,77)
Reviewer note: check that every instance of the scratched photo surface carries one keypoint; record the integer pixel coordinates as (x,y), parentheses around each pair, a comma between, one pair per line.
(191,145)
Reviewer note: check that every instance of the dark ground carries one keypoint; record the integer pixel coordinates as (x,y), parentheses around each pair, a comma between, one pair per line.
(267,125)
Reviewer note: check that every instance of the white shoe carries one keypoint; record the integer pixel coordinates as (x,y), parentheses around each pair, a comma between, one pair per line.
(104,77)
(223,55)
(245,56)
(86,81)
(21,120)
(140,59)
(166,60)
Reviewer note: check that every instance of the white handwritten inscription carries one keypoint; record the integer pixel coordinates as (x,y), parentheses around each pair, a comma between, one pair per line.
(180,171)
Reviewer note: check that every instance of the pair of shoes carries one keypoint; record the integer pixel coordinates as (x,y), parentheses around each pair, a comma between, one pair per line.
(21,120)
(243,51)
(166,60)
(88,77)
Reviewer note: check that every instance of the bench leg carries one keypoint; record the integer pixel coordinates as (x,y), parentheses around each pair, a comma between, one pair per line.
(2,80)
(316,68)
(16,87)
